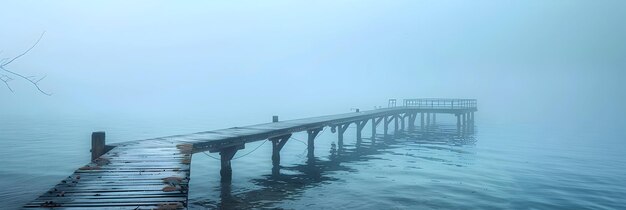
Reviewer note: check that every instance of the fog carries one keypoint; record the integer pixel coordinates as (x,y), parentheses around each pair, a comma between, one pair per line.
(555,62)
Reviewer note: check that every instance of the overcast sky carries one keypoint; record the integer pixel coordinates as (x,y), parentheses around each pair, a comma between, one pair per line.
(523,60)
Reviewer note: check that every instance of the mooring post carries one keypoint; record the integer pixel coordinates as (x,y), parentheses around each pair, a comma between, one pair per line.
(98,144)
(311,143)
(226,155)
(422,124)
(277,144)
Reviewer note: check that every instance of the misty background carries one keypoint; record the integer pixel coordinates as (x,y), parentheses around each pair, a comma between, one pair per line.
(232,63)
(548,76)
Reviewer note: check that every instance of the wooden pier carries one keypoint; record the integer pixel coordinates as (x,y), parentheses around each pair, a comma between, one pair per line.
(154,173)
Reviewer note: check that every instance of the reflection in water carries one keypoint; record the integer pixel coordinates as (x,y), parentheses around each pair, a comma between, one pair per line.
(277,187)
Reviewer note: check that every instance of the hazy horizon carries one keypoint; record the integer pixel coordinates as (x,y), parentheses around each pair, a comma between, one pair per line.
(530,61)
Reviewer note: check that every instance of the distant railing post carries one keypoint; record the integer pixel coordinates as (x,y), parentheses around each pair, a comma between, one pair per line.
(98,144)
(392,103)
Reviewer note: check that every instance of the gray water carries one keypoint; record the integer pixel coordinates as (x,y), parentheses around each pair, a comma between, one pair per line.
(501,166)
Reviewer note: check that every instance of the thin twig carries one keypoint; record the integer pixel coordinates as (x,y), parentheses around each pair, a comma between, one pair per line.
(6,78)
(24,53)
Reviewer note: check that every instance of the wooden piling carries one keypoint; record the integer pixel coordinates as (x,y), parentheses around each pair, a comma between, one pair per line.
(472,121)
(359,130)
(458,123)
(422,120)
(374,123)
(386,125)
(340,132)
(311,141)
(395,124)
(464,122)
(226,172)
(277,145)
(412,117)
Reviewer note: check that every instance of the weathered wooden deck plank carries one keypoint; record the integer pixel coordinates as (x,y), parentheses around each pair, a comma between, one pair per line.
(148,174)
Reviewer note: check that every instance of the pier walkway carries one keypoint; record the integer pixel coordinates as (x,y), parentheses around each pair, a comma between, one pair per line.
(154,173)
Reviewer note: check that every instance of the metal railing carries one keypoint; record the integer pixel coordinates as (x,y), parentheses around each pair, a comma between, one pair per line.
(441,103)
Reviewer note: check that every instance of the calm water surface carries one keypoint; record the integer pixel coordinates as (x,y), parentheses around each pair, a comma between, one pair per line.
(503,166)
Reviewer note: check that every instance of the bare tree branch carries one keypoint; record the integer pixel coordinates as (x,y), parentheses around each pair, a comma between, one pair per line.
(35,83)
(31,79)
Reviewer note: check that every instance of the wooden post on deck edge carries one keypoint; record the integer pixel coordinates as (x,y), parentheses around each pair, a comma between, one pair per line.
(98,146)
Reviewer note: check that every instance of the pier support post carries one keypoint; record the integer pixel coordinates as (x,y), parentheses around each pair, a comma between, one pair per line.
(386,124)
(395,124)
(411,121)
(402,118)
(464,121)
(277,144)
(458,123)
(374,125)
(98,144)
(434,118)
(422,122)
(412,117)
(311,141)
(472,122)
(469,122)
(226,155)
(359,127)
(373,128)
(342,129)
(428,120)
